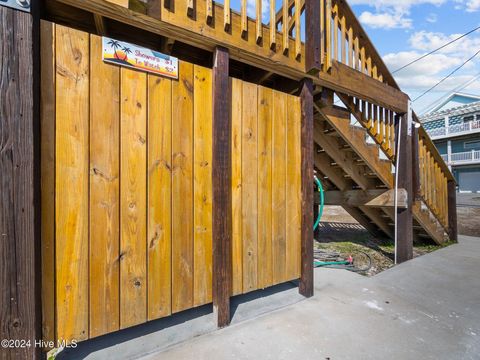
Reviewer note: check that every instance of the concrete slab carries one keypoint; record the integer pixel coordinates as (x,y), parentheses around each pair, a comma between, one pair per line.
(428,308)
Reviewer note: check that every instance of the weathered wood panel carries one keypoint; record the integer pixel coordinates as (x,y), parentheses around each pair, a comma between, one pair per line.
(279,186)
(47,118)
(265,141)
(202,202)
(20,280)
(182,189)
(249,186)
(71,182)
(133,198)
(237,243)
(104,192)
(159,234)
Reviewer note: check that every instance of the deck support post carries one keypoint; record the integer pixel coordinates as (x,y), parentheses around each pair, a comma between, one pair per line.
(222,197)
(452,211)
(404,125)
(20,299)
(312,37)
(306,280)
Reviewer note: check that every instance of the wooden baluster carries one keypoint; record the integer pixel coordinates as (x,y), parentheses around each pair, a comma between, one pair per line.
(381,124)
(322,32)
(363,60)
(190,8)
(375,121)
(369,66)
(258,22)
(328,30)
(244,20)
(273,27)
(380,78)
(374,72)
(369,116)
(285,22)
(343,25)
(335,31)
(420,165)
(350,47)
(357,54)
(226,15)
(393,137)
(298,29)
(209,11)
(387,131)
(364,113)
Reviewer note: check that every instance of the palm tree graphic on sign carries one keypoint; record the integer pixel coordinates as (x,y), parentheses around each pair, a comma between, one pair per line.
(120,53)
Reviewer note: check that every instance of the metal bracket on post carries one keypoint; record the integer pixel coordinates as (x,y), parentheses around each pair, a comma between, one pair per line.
(22,5)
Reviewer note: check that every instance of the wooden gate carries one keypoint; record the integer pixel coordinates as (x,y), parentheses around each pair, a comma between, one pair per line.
(127,189)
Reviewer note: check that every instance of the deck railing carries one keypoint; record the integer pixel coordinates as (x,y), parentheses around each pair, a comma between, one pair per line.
(465,157)
(458,129)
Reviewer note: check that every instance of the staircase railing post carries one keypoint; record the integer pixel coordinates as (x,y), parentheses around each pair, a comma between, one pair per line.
(415,164)
(404,124)
(312,36)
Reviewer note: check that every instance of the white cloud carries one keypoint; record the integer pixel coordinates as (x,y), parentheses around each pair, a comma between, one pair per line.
(385,20)
(432,18)
(251,8)
(469,5)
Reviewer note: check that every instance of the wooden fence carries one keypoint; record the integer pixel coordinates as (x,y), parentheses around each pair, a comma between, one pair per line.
(127,189)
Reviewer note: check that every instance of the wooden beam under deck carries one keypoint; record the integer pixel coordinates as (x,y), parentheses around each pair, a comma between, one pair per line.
(368,198)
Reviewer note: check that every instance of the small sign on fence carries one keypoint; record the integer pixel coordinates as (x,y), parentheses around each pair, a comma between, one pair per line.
(136,57)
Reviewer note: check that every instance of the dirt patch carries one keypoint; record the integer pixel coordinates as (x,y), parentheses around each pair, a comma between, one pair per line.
(340,233)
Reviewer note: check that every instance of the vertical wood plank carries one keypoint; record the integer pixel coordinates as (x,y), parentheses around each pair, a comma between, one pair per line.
(72,113)
(221,181)
(202,130)
(265,122)
(335,31)
(237,223)
(209,11)
(279,186)
(133,198)
(249,186)
(182,189)
(306,98)
(328,34)
(104,192)
(47,118)
(159,201)
(20,266)
(293,188)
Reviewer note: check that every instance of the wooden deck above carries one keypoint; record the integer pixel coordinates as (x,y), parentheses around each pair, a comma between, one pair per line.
(348,61)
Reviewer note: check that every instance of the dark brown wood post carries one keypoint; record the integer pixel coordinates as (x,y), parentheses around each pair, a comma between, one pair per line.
(20,300)
(312,36)
(404,251)
(306,280)
(452,211)
(415,164)
(222,182)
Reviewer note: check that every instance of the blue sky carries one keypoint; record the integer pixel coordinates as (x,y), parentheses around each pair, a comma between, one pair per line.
(403,30)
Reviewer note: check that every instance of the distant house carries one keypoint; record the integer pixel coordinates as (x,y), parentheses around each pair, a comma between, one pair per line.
(454,126)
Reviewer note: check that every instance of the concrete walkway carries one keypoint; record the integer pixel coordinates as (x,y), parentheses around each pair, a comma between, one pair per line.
(428,308)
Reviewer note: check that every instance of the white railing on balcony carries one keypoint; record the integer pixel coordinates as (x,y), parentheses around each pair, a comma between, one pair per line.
(464,157)
(467,127)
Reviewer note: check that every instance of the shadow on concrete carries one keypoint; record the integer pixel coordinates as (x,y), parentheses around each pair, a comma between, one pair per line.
(157,335)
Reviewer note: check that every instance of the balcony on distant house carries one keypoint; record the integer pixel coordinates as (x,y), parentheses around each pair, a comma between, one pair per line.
(462,158)
(466,128)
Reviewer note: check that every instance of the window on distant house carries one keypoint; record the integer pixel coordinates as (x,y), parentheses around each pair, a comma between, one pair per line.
(468,118)
(472,145)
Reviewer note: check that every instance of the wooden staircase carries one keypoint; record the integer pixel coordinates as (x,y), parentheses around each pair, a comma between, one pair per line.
(355,171)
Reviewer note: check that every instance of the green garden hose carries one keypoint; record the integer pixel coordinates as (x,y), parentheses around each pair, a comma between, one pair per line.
(322,202)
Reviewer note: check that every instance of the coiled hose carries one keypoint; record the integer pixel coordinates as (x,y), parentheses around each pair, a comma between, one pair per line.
(322,202)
